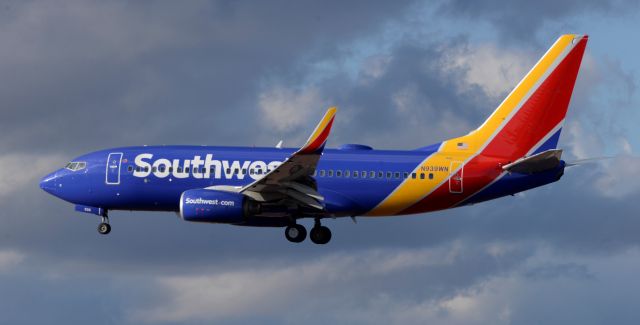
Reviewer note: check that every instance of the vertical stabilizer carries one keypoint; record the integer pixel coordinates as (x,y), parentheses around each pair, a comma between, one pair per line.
(529,120)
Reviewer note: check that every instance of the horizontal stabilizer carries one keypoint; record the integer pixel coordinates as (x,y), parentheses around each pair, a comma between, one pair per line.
(543,161)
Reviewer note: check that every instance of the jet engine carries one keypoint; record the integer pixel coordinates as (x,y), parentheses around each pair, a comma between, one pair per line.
(202,205)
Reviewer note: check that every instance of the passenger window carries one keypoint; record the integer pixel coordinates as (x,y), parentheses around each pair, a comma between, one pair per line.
(355,174)
(154,169)
(430,175)
(330,173)
(244,171)
(397,174)
(338,173)
(388,174)
(130,168)
(171,169)
(380,174)
(162,169)
(421,175)
(322,173)
(146,169)
(372,174)
(179,169)
(228,170)
(406,175)
(413,175)
(347,173)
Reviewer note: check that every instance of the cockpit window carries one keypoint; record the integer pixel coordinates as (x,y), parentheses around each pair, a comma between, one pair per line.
(76,165)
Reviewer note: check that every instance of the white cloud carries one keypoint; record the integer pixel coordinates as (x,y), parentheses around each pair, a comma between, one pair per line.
(273,289)
(20,170)
(374,67)
(343,286)
(619,177)
(9,259)
(613,178)
(583,143)
(286,109)
(496,71)
(405,100)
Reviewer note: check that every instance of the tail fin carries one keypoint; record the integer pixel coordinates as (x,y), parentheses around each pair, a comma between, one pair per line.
(530,119)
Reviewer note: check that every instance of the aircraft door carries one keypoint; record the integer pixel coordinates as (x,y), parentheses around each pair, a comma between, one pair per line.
(457,177)
(113,168)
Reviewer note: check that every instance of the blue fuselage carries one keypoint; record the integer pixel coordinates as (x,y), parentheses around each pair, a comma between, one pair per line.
(353,181)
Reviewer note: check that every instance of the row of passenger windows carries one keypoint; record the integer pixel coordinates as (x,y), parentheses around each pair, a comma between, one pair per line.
(370,174)
(197,170)
(321,173)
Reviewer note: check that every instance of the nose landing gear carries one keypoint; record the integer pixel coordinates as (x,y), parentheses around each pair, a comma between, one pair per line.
(104,227)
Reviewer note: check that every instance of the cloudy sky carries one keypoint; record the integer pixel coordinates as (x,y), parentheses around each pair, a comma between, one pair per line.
(77,76)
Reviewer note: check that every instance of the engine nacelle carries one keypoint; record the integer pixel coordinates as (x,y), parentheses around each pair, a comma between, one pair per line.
(214,206)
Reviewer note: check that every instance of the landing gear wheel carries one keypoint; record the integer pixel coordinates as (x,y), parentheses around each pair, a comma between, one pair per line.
(320,235)
(104,228)
(295,233)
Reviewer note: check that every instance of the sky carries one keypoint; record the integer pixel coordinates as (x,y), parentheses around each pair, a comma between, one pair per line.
(78,76)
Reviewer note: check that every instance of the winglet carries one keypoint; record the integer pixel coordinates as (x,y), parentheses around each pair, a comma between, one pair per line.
(318,138)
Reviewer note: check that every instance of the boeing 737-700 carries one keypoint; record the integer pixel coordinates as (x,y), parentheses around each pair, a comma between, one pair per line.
(514,150)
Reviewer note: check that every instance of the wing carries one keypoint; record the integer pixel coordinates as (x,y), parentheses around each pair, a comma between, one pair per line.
(292,181)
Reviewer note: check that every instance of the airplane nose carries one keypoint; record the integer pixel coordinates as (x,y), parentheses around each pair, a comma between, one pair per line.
(48,183)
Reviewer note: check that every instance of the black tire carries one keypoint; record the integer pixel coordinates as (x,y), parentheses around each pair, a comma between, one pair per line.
(104,228)
(320,235)
(295,233)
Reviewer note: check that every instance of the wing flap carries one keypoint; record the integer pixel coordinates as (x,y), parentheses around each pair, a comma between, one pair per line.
(302,198)
(306,190)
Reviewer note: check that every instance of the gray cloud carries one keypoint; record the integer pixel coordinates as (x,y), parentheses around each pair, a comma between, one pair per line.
(517,20)
(95,68)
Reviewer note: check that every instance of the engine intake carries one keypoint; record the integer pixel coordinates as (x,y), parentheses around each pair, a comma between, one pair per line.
(202,205)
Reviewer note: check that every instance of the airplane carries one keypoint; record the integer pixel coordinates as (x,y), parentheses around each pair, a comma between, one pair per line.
(514,150)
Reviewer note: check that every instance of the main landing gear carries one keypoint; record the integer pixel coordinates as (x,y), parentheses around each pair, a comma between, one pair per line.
(104,227)
(319,234)
(295,233)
